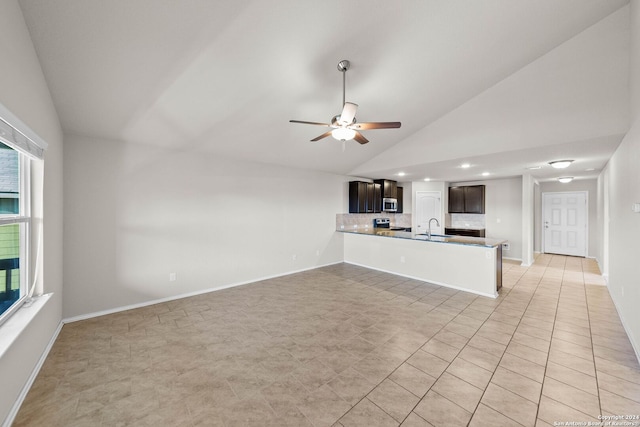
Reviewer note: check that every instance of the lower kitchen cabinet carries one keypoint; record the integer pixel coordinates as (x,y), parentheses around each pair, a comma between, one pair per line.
(464,232)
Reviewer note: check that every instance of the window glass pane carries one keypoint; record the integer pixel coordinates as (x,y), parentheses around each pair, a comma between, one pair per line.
(9,265)
(9,181)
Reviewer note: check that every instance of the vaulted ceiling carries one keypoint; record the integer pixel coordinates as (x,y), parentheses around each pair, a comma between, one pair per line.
(499,84)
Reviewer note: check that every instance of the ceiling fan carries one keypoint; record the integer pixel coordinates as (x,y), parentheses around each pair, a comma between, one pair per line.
(344,126)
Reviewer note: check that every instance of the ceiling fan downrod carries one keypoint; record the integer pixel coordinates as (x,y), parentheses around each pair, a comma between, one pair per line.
(343,66)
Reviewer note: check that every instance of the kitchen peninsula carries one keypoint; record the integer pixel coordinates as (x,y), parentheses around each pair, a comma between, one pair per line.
(470,264)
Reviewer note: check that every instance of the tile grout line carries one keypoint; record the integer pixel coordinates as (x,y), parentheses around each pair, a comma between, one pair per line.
(595,369)
(405,361)
(505,350)
(555,317)
(418,349)
(449,363)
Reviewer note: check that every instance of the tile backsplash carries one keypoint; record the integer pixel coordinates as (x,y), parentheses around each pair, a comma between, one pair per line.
(467,220)
(347,221)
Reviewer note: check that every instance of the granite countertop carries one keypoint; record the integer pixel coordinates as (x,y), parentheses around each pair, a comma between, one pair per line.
(437,238)
(464,227)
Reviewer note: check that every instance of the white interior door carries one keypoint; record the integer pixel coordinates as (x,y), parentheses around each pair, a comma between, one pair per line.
(428,205)
(565,223)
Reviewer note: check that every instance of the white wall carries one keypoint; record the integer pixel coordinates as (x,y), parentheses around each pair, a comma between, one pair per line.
(503,201)
(134,214)
(591,187)
(622,180)
(24,92)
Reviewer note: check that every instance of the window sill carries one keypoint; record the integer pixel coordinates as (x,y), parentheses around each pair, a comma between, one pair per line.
(17,323)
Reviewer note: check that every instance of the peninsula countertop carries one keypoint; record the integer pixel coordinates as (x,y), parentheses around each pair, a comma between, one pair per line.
(437,238)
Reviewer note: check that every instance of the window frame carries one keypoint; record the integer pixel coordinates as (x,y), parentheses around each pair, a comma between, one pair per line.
(23,218)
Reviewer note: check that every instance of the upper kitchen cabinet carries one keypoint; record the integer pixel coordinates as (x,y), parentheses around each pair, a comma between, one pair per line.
(466,199)
(389,188)
(364,197)
(400,199)
(456,199)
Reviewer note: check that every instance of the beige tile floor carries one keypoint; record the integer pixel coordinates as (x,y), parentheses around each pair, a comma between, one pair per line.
(347,346)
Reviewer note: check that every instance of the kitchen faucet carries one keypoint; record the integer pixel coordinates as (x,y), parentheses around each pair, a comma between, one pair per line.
(429,227)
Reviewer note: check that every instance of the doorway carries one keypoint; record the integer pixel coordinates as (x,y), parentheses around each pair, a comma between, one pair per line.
(428,205)
(565,223)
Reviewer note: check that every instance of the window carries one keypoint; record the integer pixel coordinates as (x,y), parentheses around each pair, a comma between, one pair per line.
(19,148)
(14,229)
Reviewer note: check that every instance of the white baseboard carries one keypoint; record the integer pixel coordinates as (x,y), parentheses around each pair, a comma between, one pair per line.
(186,295)
(34,374)
(426,281)
(634,345)
(512,259)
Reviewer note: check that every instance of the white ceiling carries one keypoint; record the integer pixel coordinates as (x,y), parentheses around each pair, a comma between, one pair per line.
(500,84)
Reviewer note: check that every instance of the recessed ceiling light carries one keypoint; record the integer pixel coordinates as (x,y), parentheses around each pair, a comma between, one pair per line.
(465,165)
(565,179)
(427,179)
(401,174)
(485,174)
(533,168)
(561,164)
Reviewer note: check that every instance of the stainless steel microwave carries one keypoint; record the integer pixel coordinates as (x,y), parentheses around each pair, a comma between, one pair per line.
(389,205)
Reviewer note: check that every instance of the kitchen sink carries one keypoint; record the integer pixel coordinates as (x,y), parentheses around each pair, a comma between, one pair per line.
(434,237)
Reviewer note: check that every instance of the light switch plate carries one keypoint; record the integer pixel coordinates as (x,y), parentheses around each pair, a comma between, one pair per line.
(635,207)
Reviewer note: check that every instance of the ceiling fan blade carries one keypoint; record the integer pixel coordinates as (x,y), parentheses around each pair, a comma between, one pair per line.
(309,123)
(348,113)
(360,138)
(324,135)
(375,125)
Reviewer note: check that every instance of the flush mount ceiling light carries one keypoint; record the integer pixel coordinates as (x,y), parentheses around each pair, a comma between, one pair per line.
(533,168)
(565,179)
(465,165)
(427,179)
(561,164)
(401,174)
(485,174)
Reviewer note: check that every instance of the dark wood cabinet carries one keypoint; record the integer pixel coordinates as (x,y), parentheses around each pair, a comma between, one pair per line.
(357,197)
(474,199)
(400,198)
(464,232)
(456,199)
(466,199)
(389,188)
(377,198)
(364,197)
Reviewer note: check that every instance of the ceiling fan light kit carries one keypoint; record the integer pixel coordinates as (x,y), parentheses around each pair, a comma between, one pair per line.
(345,126)
(343,134)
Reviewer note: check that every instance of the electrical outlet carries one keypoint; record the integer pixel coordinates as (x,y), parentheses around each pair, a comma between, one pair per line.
(173,277)
(317,252)
(506,246)
(294,257)
(402,259)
